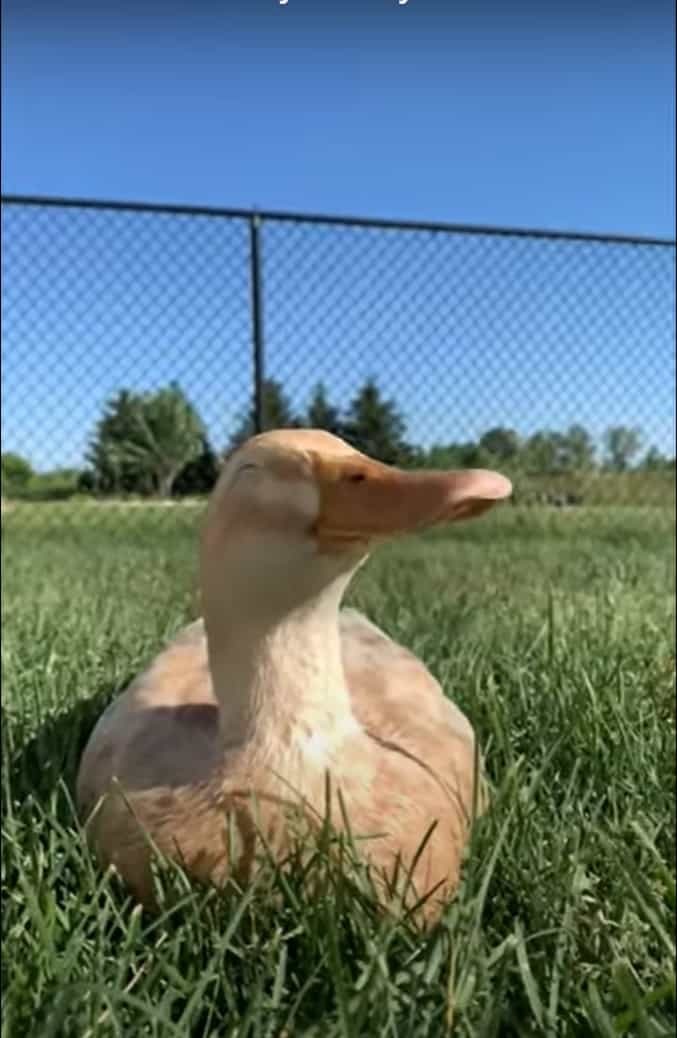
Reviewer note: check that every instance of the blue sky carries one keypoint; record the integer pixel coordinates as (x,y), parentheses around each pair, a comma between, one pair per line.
(546,115)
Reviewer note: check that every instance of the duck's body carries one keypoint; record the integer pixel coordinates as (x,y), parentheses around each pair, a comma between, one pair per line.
(246,714)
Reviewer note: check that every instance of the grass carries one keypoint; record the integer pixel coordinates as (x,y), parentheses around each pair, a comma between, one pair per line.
(553,631)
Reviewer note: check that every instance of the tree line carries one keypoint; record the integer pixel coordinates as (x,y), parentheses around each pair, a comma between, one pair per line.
(156,444)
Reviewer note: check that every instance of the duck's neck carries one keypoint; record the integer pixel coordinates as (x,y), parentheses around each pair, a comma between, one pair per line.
(280,681)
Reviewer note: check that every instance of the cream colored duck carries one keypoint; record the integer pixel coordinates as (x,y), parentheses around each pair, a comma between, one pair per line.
(247,712)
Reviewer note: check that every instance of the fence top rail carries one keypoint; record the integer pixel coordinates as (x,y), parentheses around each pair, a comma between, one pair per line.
(280,216)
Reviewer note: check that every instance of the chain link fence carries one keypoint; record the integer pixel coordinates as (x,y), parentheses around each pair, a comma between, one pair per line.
(550,356)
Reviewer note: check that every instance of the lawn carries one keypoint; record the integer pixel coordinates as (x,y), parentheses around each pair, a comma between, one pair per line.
(553,631)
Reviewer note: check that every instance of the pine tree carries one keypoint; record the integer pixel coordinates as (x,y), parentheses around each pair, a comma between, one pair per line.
(375,426)
(321,414)
(200,474)
(276,413)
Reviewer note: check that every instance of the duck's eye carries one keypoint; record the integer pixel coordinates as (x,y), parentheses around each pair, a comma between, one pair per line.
(245,468)
(357,477)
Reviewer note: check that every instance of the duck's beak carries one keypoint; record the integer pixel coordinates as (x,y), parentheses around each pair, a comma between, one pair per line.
(363,500)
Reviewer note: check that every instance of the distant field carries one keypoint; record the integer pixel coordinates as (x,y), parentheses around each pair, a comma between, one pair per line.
(593,487)
(554,630)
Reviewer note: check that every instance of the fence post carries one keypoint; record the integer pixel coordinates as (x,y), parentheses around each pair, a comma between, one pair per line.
(257,318)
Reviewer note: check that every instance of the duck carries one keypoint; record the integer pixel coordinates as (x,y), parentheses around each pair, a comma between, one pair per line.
(278,704)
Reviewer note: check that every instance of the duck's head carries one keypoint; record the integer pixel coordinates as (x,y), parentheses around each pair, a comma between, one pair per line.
(295,510)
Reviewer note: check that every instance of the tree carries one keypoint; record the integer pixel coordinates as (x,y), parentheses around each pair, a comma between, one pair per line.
(542,452)
(200,474)
(321,414)
(457,456)
(439,456)
(17,472)
(87,482)
(144,440)
(375,426)
(503,444)
(654,461)
(622,444)
(55,485)
(553,452)
(110,470)
(577,449)
(276,413)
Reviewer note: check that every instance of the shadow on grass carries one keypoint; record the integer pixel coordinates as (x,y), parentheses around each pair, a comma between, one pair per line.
(35,762)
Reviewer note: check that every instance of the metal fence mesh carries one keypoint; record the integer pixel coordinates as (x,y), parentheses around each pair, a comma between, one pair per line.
(468,332)
(94,301)
(465,333)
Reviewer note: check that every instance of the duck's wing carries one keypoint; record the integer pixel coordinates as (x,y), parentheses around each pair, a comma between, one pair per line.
(399,702)
(161,731)
(390,685)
